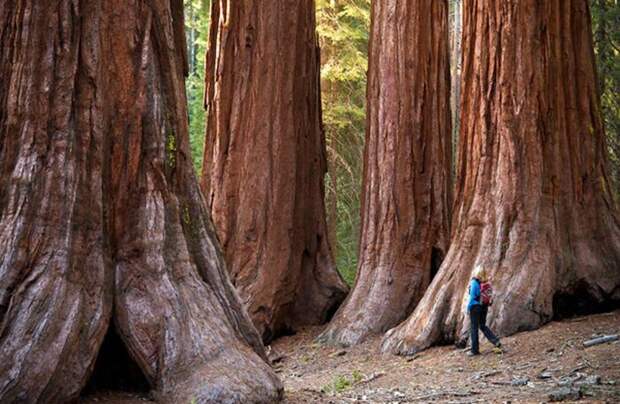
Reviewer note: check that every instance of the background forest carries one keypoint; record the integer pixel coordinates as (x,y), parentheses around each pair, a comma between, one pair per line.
(343,27)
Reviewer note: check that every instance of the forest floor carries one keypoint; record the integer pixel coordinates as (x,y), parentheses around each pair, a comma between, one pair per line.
(534,366)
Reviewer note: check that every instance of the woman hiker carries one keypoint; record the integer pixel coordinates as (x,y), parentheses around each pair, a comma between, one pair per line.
(480,298)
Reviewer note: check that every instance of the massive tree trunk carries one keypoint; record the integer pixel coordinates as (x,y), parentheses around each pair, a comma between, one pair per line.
(533,201)
(405,202)
(101,217)
(265,162)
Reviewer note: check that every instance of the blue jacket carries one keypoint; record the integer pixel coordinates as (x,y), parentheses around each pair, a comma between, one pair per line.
(474,293)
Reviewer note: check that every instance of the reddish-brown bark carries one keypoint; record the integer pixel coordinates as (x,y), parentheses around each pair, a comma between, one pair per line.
(533,202)
(405,202)
(101,217)
(264,161)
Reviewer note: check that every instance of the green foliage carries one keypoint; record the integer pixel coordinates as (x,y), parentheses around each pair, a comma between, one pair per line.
(197,32)
(171,149)
(341,383)
(186,216)
(343,27)
(357,376)
(606,30)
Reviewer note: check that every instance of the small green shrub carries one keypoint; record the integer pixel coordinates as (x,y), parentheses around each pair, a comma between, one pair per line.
(357,376)
(341,382)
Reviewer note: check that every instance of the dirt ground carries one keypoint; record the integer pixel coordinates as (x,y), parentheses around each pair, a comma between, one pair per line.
(533,365)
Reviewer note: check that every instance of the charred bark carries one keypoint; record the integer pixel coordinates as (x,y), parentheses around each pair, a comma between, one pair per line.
(533,197)
(405,202)
(101,217)
(264,162)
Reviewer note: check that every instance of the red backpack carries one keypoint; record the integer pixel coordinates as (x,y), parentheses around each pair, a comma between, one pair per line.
(486,294)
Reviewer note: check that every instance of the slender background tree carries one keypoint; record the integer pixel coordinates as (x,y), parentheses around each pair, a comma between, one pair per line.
(456,33)
(343,36)
(606,27)
(197,17)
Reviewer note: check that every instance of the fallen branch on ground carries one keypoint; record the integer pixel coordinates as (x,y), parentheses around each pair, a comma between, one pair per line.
(491,373)
(480,375)
(456,393)
(501,383)
(600,340)
(578,368)
(370,378)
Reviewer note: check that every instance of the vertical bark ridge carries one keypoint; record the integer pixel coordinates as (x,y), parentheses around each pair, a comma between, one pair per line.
(55,283)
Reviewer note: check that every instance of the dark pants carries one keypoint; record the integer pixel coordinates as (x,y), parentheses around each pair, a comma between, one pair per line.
(478,320)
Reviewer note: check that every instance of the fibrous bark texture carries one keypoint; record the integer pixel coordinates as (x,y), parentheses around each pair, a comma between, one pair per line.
(101,217)
(264,162)
(533,202)
(405,202)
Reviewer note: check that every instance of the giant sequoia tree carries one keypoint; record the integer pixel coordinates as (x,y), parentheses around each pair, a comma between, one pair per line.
(265,161)
(102,223)
(405,203)
(533,197)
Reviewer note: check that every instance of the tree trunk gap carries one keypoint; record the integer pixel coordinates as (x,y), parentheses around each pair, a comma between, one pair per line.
(264,162)
(455,76)
(533,201)
(102,223)
(406,183)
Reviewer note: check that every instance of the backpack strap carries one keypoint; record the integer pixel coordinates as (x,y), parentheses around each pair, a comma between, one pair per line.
(478,297)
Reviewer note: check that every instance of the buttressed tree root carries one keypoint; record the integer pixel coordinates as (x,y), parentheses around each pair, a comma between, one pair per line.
(533,200)
(101,217)
(406,184)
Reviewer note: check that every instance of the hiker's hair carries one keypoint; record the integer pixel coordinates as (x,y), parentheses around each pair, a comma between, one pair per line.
(481,273)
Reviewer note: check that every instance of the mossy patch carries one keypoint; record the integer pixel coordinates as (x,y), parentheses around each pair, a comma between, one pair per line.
(171,150)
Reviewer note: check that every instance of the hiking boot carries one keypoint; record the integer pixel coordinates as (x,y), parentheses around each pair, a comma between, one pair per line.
(470,353)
